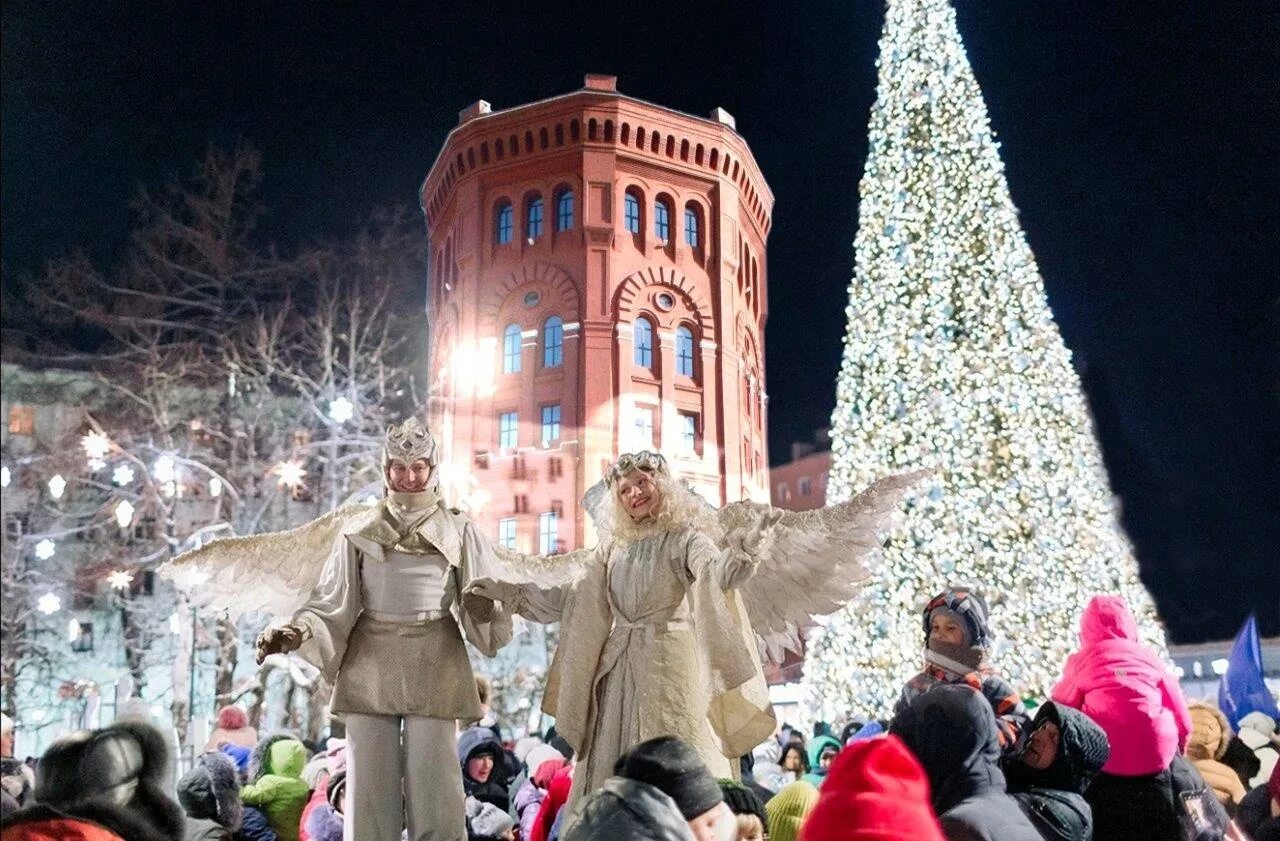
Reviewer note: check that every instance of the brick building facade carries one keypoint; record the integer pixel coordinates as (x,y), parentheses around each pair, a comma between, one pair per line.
(598,286)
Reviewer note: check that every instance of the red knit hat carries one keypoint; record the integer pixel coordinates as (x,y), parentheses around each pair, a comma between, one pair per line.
(875,791)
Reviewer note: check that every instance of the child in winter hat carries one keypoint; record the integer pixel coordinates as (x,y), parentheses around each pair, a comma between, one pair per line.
(1123,685)
(276,784)
(957,640)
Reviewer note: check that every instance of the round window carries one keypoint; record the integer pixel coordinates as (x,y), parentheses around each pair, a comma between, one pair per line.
(666,301)
(531,299)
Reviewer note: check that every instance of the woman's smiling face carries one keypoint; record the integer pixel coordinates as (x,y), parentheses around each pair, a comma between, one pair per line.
(639,495)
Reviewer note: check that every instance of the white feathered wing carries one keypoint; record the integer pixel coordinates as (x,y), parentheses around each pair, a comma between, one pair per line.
(274,572)
(815,562)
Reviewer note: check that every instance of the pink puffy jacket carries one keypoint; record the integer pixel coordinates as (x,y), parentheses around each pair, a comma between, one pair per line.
(1123,686)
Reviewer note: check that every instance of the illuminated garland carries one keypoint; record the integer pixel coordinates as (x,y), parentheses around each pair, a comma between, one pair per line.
(952,359)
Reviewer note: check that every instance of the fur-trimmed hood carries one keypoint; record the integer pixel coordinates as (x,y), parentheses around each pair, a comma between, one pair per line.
(211,790)
(1210,732)
(84,775)
(281,754)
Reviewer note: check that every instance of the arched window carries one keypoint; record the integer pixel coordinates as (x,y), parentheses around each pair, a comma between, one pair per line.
(553,342)
(511,349)
(631,212)
(504,223)
(684,351)
(564,210)
(662,220)
(533,213)
(642,337)
(691,227)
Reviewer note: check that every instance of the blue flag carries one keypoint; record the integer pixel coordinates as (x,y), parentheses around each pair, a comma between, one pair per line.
(1242,690)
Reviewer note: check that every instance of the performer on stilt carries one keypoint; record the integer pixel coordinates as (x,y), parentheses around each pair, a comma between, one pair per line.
(383,615)
(659,622)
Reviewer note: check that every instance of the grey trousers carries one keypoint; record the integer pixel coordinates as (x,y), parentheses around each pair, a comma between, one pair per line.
(403,771)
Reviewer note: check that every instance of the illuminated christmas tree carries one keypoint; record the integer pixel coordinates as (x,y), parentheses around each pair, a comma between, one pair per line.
(952,359)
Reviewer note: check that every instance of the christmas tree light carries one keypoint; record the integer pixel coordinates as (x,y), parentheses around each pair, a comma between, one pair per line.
(952,360)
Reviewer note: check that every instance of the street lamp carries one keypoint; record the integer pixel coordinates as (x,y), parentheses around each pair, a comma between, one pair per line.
(341,410)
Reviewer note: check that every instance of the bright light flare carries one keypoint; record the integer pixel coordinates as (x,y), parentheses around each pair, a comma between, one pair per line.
(57,486)
(175,624)
(290,474)
(5,477)
(474,366)
(165,469)
(124,513)
(73,629)
(120,579)
(122,475)
(215,487)
(49,604)
(96,445)
(45,549)
(341,410)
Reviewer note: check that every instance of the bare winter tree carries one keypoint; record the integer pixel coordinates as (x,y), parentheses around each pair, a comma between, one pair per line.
(251,388)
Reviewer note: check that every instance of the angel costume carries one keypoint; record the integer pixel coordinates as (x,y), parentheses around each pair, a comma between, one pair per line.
(658,625)
(376,592)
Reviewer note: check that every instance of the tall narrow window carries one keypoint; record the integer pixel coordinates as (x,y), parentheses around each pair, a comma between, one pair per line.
(550,424)
(631,212)
(684,351)
(548,533)
(507,533)
(505,223)
(508,430)
(511,349)
(533,213)
(662,220)
(691,227)
(564,211)
(643,428)
(642,335)
(553,342)
(688,433)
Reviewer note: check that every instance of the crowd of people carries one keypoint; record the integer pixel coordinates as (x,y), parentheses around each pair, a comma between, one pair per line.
(1114,752)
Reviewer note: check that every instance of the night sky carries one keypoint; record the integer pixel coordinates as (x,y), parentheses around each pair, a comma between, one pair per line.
(1142,144)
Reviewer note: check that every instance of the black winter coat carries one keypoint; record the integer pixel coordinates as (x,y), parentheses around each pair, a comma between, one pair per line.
(952,731)
(630,810)
(1254,816)
(1053,797)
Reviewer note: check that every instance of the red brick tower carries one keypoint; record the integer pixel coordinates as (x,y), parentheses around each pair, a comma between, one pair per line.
(597,286)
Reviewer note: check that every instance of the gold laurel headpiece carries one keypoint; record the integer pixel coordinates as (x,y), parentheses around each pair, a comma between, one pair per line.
(646,460)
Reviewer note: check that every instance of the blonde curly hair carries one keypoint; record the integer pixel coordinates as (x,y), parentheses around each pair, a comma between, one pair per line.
(680,508)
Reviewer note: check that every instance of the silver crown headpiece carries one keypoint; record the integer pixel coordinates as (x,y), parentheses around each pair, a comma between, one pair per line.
(646,460)
(407,442)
